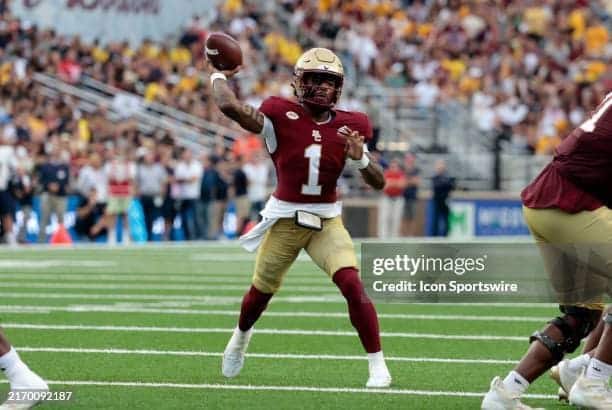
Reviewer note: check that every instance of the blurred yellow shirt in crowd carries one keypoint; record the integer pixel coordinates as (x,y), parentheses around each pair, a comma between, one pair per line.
(37,127)
(424,30)
(455,68)
(546,145)
(595,39)
(325,5)
(290,51)
(383,8)
(180,55)
(232,6)
(187,84)
(100,55)
(577,22)
(469,85)
(84,131)
(536,19)
(6,70)
(592,72)
(154,92)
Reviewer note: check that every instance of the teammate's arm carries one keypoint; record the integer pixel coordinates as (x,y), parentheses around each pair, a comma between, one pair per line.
(245,115)
(372,174)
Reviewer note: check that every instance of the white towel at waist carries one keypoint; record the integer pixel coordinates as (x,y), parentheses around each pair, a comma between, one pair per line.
(276,209)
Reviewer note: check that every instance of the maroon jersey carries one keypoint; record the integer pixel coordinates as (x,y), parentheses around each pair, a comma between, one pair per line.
(309,157)
(580,174)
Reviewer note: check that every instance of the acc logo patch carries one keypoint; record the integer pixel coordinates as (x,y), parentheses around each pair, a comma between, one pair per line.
(292,115)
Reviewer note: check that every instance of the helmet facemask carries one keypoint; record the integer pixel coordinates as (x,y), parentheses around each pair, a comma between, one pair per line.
(313,88)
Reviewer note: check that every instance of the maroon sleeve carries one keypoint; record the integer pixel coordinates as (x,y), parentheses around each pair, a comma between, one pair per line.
(363,125)
(270,107)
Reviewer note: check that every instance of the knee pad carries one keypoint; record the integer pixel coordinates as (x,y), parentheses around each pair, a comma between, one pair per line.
(575,325)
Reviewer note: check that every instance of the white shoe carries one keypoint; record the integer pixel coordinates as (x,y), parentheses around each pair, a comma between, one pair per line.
(380,377)
(25,382)
(499,398)
(592,394)
(564,377)
(233,356)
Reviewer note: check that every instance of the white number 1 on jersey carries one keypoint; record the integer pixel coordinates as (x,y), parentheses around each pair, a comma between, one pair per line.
(313,153)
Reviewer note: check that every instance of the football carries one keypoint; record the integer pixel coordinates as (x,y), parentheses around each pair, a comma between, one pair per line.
(223,51)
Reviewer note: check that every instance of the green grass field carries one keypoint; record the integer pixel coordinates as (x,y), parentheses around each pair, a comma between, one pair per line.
(144,328)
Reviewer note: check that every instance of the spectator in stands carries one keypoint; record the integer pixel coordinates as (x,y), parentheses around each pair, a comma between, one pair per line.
(413,181)
(93,176)
(220,201)
(188,176)
(392,201)
(239,191)
(54,177)
(257,173)
(204,207)
(169,207)
(7,202)
(372,108)
(443,185)
(120,171)
(151,179)
(22,187)
(90,223)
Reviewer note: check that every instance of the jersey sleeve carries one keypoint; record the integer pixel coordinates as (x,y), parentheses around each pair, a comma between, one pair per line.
(364,126)
(270,109)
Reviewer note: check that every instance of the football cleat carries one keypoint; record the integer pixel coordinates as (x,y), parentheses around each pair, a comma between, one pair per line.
(233,356)
(591,394)
(565,378)
(380,377)
(499,398)
(25,381)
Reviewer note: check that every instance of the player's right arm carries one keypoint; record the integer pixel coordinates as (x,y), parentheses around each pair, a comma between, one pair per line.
(248,117)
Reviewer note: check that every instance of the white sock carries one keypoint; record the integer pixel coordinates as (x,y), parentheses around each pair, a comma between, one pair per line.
(577,363)
(11,364)
(598,370)
(515,383)
(241,338)
(376,360)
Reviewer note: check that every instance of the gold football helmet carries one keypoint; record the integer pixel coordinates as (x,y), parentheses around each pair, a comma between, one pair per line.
(317,61)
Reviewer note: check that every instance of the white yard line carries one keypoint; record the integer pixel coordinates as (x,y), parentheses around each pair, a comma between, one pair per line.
(194,299)
(208,300)
(207,386)
(219,312)
(301,332)
(54,263)
(242,278)
(114,351)
(111,286)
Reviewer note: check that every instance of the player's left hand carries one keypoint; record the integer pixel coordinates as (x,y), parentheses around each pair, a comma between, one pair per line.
(354,142)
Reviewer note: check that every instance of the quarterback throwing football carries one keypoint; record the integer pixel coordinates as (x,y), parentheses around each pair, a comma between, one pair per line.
(309,142)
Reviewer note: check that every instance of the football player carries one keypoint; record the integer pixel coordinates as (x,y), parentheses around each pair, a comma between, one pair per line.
(567,209)
(591,389)
(309,142)
(20,377)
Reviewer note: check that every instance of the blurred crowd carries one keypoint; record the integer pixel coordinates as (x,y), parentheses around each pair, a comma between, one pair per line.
(529,71)
(530,68)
